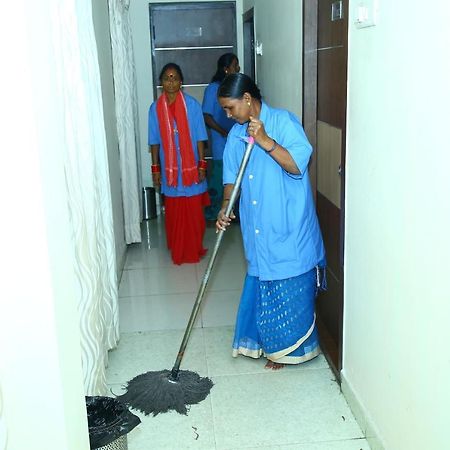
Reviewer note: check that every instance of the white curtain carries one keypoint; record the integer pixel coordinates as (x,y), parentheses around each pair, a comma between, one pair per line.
(126,114)
(86,170)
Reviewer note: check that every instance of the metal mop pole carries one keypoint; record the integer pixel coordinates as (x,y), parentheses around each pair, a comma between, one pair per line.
(201,291)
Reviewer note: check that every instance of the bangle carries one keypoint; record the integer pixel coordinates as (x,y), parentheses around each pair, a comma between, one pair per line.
(203,164)
(156,168)
(274,146)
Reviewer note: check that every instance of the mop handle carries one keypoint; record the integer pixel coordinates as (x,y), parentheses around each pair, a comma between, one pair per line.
(198,300)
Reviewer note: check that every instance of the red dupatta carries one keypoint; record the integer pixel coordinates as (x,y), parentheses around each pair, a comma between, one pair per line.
(189,171)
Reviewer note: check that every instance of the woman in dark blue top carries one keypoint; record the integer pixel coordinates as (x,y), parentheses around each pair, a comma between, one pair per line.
(219,125)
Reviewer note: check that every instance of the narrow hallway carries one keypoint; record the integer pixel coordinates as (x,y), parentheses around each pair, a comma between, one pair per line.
(299,407)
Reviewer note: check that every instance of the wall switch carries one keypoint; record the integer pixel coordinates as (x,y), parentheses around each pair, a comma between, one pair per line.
(366,13)
(259,49)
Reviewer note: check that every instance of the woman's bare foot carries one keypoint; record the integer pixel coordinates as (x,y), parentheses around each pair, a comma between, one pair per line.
(273,365)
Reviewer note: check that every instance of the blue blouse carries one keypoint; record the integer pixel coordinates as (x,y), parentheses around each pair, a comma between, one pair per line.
(198,133)
(281,233)
(212,106)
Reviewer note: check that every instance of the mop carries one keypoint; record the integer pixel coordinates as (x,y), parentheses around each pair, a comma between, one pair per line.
(165,390)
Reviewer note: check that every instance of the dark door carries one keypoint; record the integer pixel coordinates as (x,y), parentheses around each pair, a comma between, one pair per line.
(325,81)
(194,36)
(249,44)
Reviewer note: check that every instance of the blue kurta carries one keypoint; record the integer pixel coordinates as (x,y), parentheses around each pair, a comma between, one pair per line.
(212,106)
(281,234)
(198,133)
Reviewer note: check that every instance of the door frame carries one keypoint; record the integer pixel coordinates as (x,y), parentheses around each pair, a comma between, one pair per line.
(248,24)
(331,303)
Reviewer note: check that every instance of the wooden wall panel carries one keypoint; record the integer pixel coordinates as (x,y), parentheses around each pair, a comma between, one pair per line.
(329,218)
(329,141)
(332,33)
(331,86)
(329,307)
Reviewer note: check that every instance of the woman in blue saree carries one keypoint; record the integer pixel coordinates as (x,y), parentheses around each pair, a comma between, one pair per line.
(282,239)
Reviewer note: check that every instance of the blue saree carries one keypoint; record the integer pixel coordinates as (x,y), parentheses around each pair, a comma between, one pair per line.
(276,319)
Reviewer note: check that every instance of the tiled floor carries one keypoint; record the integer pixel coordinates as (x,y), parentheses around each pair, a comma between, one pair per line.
(249,407)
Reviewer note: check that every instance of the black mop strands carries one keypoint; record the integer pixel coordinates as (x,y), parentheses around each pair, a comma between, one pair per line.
(156,392)
(166,390)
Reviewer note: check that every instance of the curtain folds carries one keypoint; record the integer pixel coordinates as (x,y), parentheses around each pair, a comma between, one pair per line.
(127,115)
(88,185)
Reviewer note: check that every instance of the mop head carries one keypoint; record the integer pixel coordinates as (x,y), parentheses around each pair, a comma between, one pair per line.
(156,392)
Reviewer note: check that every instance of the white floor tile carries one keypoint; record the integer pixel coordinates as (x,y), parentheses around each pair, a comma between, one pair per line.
(350,444)
(169,280)
(157,350)
(224,276)
(156,312)
(141,257)
(230,249)
(283,407)
(153,232)
(172,431)
(219,308)
(218,343)
(298,407)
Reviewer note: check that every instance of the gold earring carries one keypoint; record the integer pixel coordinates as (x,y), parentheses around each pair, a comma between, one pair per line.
(248,103)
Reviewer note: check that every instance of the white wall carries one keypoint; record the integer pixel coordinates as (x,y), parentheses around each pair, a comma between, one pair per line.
(278,26)
(100,16)
(397,303)
(43,404)
(396,366)
(140,25)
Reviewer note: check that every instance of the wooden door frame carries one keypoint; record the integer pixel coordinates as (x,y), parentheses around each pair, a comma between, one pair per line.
(248,18)
(309,79)
(331,346)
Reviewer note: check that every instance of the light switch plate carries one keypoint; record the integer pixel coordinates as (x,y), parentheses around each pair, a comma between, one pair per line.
(366,13)
(259,48)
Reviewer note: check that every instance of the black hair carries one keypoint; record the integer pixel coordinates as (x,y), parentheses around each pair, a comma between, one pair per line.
(171,66)
(236,85)
(222,63)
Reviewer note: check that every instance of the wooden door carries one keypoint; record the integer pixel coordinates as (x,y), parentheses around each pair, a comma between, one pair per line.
(325,99)
(193,35)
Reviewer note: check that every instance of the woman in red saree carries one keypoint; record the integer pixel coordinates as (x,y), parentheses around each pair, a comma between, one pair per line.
(176,135)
